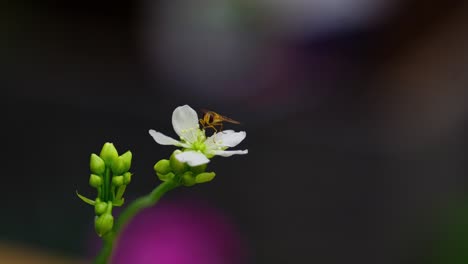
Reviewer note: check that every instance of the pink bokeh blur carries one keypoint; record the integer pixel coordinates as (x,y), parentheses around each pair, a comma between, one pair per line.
(180,232)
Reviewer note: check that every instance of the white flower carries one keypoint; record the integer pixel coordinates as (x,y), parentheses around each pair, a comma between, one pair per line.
(197,147)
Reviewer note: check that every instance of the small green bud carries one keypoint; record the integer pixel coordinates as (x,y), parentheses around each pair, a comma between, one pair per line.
(163,166)
(100,208)
(127,177)
(103,224)
(165,177)
(108,153)
(96,164)
(118,180)
(118,166)
(95,181)
(176,165)
(199,169)
(127,158)
(204,177)
(188,179)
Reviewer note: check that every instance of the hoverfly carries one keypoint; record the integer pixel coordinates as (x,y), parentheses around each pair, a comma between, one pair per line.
(214,120)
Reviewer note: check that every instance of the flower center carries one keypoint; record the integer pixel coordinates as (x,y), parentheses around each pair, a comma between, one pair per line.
(199,146)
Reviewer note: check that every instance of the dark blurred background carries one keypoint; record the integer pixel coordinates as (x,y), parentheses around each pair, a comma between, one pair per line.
(354,110)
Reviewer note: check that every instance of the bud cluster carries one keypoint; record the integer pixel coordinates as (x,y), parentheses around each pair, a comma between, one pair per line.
(180,172)
(109,176)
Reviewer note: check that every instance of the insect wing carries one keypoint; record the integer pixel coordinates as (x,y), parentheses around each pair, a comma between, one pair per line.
(226,119)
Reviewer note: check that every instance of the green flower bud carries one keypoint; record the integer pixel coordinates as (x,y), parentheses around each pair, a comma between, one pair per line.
(118,180)
(103,224)
(95,181)
(127,178)
(199,169)
(127,158)
(204,177)
(118,166)
(176,165)
(188,179)
(100,208)
(165,177)
(108,153)
(163,166)
(96,164)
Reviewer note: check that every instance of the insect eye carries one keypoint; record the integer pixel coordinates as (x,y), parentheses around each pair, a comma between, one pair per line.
(211,118)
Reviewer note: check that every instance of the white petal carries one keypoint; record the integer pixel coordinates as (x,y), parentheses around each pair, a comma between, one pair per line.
(227,138)
(162,139)
(228,153)
(185,123)
(192,158)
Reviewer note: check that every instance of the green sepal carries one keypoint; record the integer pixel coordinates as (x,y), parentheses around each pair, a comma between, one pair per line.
(198,169)
(96,164)
(204,177)
(166,177)
(86,200)
(209,156)
(177,166)
(109,153)
(188,179)
(163,167)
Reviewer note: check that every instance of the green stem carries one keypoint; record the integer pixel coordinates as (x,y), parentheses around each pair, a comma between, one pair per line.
(129,212)
(106,250)
(107,182)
